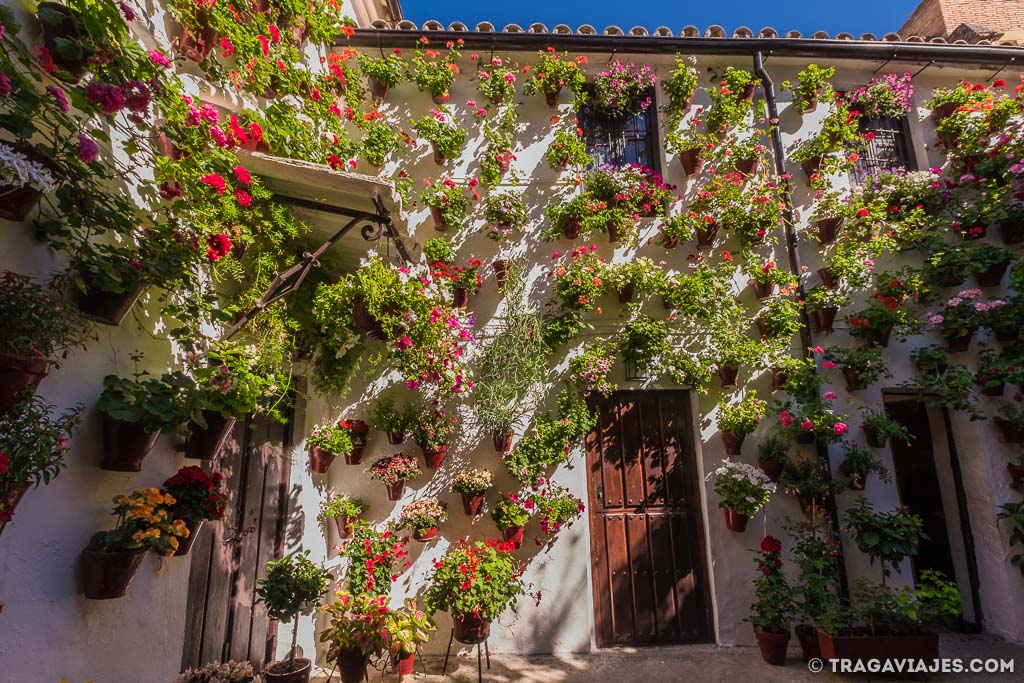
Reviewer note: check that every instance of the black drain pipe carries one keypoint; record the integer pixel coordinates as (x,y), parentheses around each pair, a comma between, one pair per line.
(789,220)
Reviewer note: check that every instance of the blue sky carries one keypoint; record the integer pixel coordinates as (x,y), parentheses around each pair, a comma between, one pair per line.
(806,16)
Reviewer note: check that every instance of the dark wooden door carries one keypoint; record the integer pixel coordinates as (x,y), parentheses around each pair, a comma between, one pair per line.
(223,620)
(647,537)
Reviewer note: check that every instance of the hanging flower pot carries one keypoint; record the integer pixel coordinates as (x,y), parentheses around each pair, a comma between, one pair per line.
(733,443)
(396,438)
(824,319)
(460,298)
(471,503)
(613,231)
(500,267)
(440,99)
(942,112)
(993,275)
(952,277)
(10,496)
(196,46)
(706,235)
(994,390)
(470,629)
(828,229)
(812,166)
(853,380)
(514,534)
(502,441)
(747,167)
(439,157)
(571,228)
(808,103)
(762,290)
(320,460)
(808,637)
(1010,431)
(205,443)
(748,92)
(356,456)
(1016,476)
(62,26)
(440,224)
(351,665)
(1011,233)
(552,97)
(19,377)
(734,521)
(396,491)
(778,377)
(378,91)
(773,646)
(772,468)
(764,330)
(669,242)
(960,343)
(344,526)
(108,308)
(828,277)
(423,535)
(874,438)
(857,481)
(107,575)
(728,376)
(366,323)
(626,293)
(19,200)
(691,160)
(434,456)
(126,444)
(186,543)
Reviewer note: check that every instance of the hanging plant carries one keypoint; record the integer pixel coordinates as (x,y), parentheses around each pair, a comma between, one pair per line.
(644,343)
(472,485)
(390,419)
(556,508)
(886,95)
(634,189)
(632,278)
(743,490)
(379,141)
(344,510)
(26,174)
(445,135)
(552,73)
(589,371)
(568,149)
(505,212)
(681,85)
(815,84)
(739,420)
(858,463)
(879,428)
(393,471)
(691,145)
(384,72)
(830,212)
(580,282)
(448,204)
(431,429)
(731,101)
(435,72)
(766,277)
(497,80)
(861,366)
(622,89)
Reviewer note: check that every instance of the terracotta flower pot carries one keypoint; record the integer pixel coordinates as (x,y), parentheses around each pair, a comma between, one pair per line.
(808,637)
(824,319)
(344,526)
(571,228)
(378,91)
(352,665)
(778,377)
(773,646)
(277,672)
(874,439)
(808,103)
(613,232)
(993,275)
(728,376)
(952,277)
(669,242)
(857,646)
(812,166)
(434,456)
(19,377)
(396,491)
(828,229)
(805,438)
(974,232)
(828,278)
(108,575)
(440,224)
(733,443)
(1011,233)
(942,111)
(515,535)
(205,443)
(735,521)
(126,444)
(857,481)
(404,665)
(1010,431)
(747,167)
(366,323)
(1016,476)
(853,380)
(961,343)
(185,544)
(67,28)
(764,331)
(440,99)
(552,97)
(424,535)
(748,91)
(356,456)
(880,337)
(772,468)
(626,294)
(18,201)
(691,160)
(471,503)
(706,236)
(196,46)
(500,267)
(439,157)
(108,308)
(320,460)
(10,496)
(762,290)
(460,298)
(502,441)
(470,630)
(994,391)
(396,438)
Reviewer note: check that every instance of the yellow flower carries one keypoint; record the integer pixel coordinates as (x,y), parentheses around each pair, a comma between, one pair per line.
(180,529)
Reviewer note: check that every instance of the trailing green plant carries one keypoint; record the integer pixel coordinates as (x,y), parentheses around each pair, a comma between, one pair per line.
(511,511)
(941,384)
(780,317)
(438,250)
(568,149)
(386,417)
(551,439)
(341,506)
(680,85)
(742,418)
(379,142)
(886,611)
(441,129)
(808,478)
(858,463)
(867,361)
(773,448)
(644,343)
(889,537)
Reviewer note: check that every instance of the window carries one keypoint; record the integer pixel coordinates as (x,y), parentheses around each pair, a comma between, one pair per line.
(621,141)
(889,149)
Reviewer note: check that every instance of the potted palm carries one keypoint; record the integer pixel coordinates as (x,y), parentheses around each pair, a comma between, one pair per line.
(735,422)
(471,485)
(431,429)
(198,496)
(773,608)
(357,630)
(387,418)
(325,443)
(743,490)
(511,514)
(393,471)
(494,583)
(858,463)
(423,517)
(343,509)
(879,428)
(293,586)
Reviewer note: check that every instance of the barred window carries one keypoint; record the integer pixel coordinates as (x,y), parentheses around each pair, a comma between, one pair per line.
(623,140)
(889,149)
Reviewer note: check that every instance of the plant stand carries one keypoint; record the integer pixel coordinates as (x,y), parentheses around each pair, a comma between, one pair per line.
(479,662)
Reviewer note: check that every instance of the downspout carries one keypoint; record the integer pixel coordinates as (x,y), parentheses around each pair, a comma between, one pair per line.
(789,221)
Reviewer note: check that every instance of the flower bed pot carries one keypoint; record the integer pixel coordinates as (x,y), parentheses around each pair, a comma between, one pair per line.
(942,112)
(874,439)
(691,160)
(423,535)
(440,224)
(205,443)
(552,97)
(344,526)
(808,637)
(352,664)
(626,294)
(185,544)
(126,444)
(734,521)
(471,503)
(434,456)
(320,460)
(1011,233)
(571,228)
(396,491)
(762,290)
(67,28)
(396,438)
(828,277)
(827,229)
(1016,476)
(960,343)
(858,646)
(733,443)
(19,377)
(853,380)
(728,376)
(500,267)
(824,319)
(773,646)
(706,236)
(515,535)
(356,456)
(277,672)
(378,91)
(993,275)
(772,468)
(1010,431)
(460,298)
(470,630)
(18,201)
(812,166)
(106,576)
(108,308)
(10,496)
(502,441)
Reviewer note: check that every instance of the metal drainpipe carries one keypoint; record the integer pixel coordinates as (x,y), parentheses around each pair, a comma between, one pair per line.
(806,341)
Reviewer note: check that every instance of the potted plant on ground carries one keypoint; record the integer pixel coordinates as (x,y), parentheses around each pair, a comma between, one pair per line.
(293,586)
(879,428)
(383,73)
(567,149)
(393,471)
(40,328)
(224,672)
(33,443)
(475,597)
(553,72)
(448,204)
(387,418)
(773,608)
(743,490)
(443,133)
(735,422)
(407,627)
(505,212)
(423,517)
(816,551)
(431,429)
(772,454)
(858,463)
(344,510)
(198,496)
(472,485)
(511,514)
(325,443)
(556,509)
(144,522)
(861,366)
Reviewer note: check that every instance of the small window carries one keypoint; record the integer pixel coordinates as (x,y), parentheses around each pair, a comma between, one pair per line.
(889,149)
(621,141)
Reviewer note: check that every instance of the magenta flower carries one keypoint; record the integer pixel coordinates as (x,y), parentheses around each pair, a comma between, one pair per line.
(807,424)
(5,85)
(58,94)
(840,428)
(87,149)
(159,59)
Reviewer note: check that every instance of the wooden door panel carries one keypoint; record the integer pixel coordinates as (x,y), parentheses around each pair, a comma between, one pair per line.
(609,464)
(633,470)
(643,588)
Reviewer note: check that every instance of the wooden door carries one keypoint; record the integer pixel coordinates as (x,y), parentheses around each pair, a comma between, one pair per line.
(646,531)
(223,620)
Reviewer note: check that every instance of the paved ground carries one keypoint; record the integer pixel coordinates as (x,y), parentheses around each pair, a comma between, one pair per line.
(689,663)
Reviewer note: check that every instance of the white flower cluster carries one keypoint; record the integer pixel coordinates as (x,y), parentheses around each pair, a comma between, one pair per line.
(742,471)
(18,170)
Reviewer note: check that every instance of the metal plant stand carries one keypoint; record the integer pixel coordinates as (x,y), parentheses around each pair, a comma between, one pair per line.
(479,660)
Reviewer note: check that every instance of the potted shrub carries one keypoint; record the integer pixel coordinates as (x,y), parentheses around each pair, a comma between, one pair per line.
(325,443)
(293,586)
(743,490)
(690,145)
(814,82)
(779,318)
(572,217)
(387,418)
(393,471)
(556,509)
(472,485)
(858,463)
(198,496)
(808,478)
(567,149)
(816,551)
(494,583)
(861,366)
(448,205)
(431,429)
(33,443)
(374,559)
(407,627)
(553,72)
(773,608)
(344,510)
(443,133)
(383,73)
(879,428)
(765,278)
(26,174)
(511,514)
(144,523)
(772,453)
(39,329)
(823,304)
(433,71)
(735,422)
(224,672)
(888,537)
(505,212)
(423,517)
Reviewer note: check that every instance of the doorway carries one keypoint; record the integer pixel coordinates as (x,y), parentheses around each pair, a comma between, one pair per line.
(648,550)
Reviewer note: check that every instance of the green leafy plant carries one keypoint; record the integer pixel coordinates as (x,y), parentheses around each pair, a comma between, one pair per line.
(644,342)
(773,449)
(743,488)
(441,129)
(433,71)
(637,275)
(882,427)
(341,506)
(511,511)
(907,609)
(33,442)
(742,418)
(554,71)
(808,478)
(379,141)
(816,550)
(38,321)
(332,438)
(491,583)
(889,537)
(388,418)
(432,427)
(773,608)
(867,362)
(568,149)
(858,463)
(814,84)
(496,79)
(680,85)
(505,212)
(389,70)
(293,586)
(780,317)
(438,250)
(167,403)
